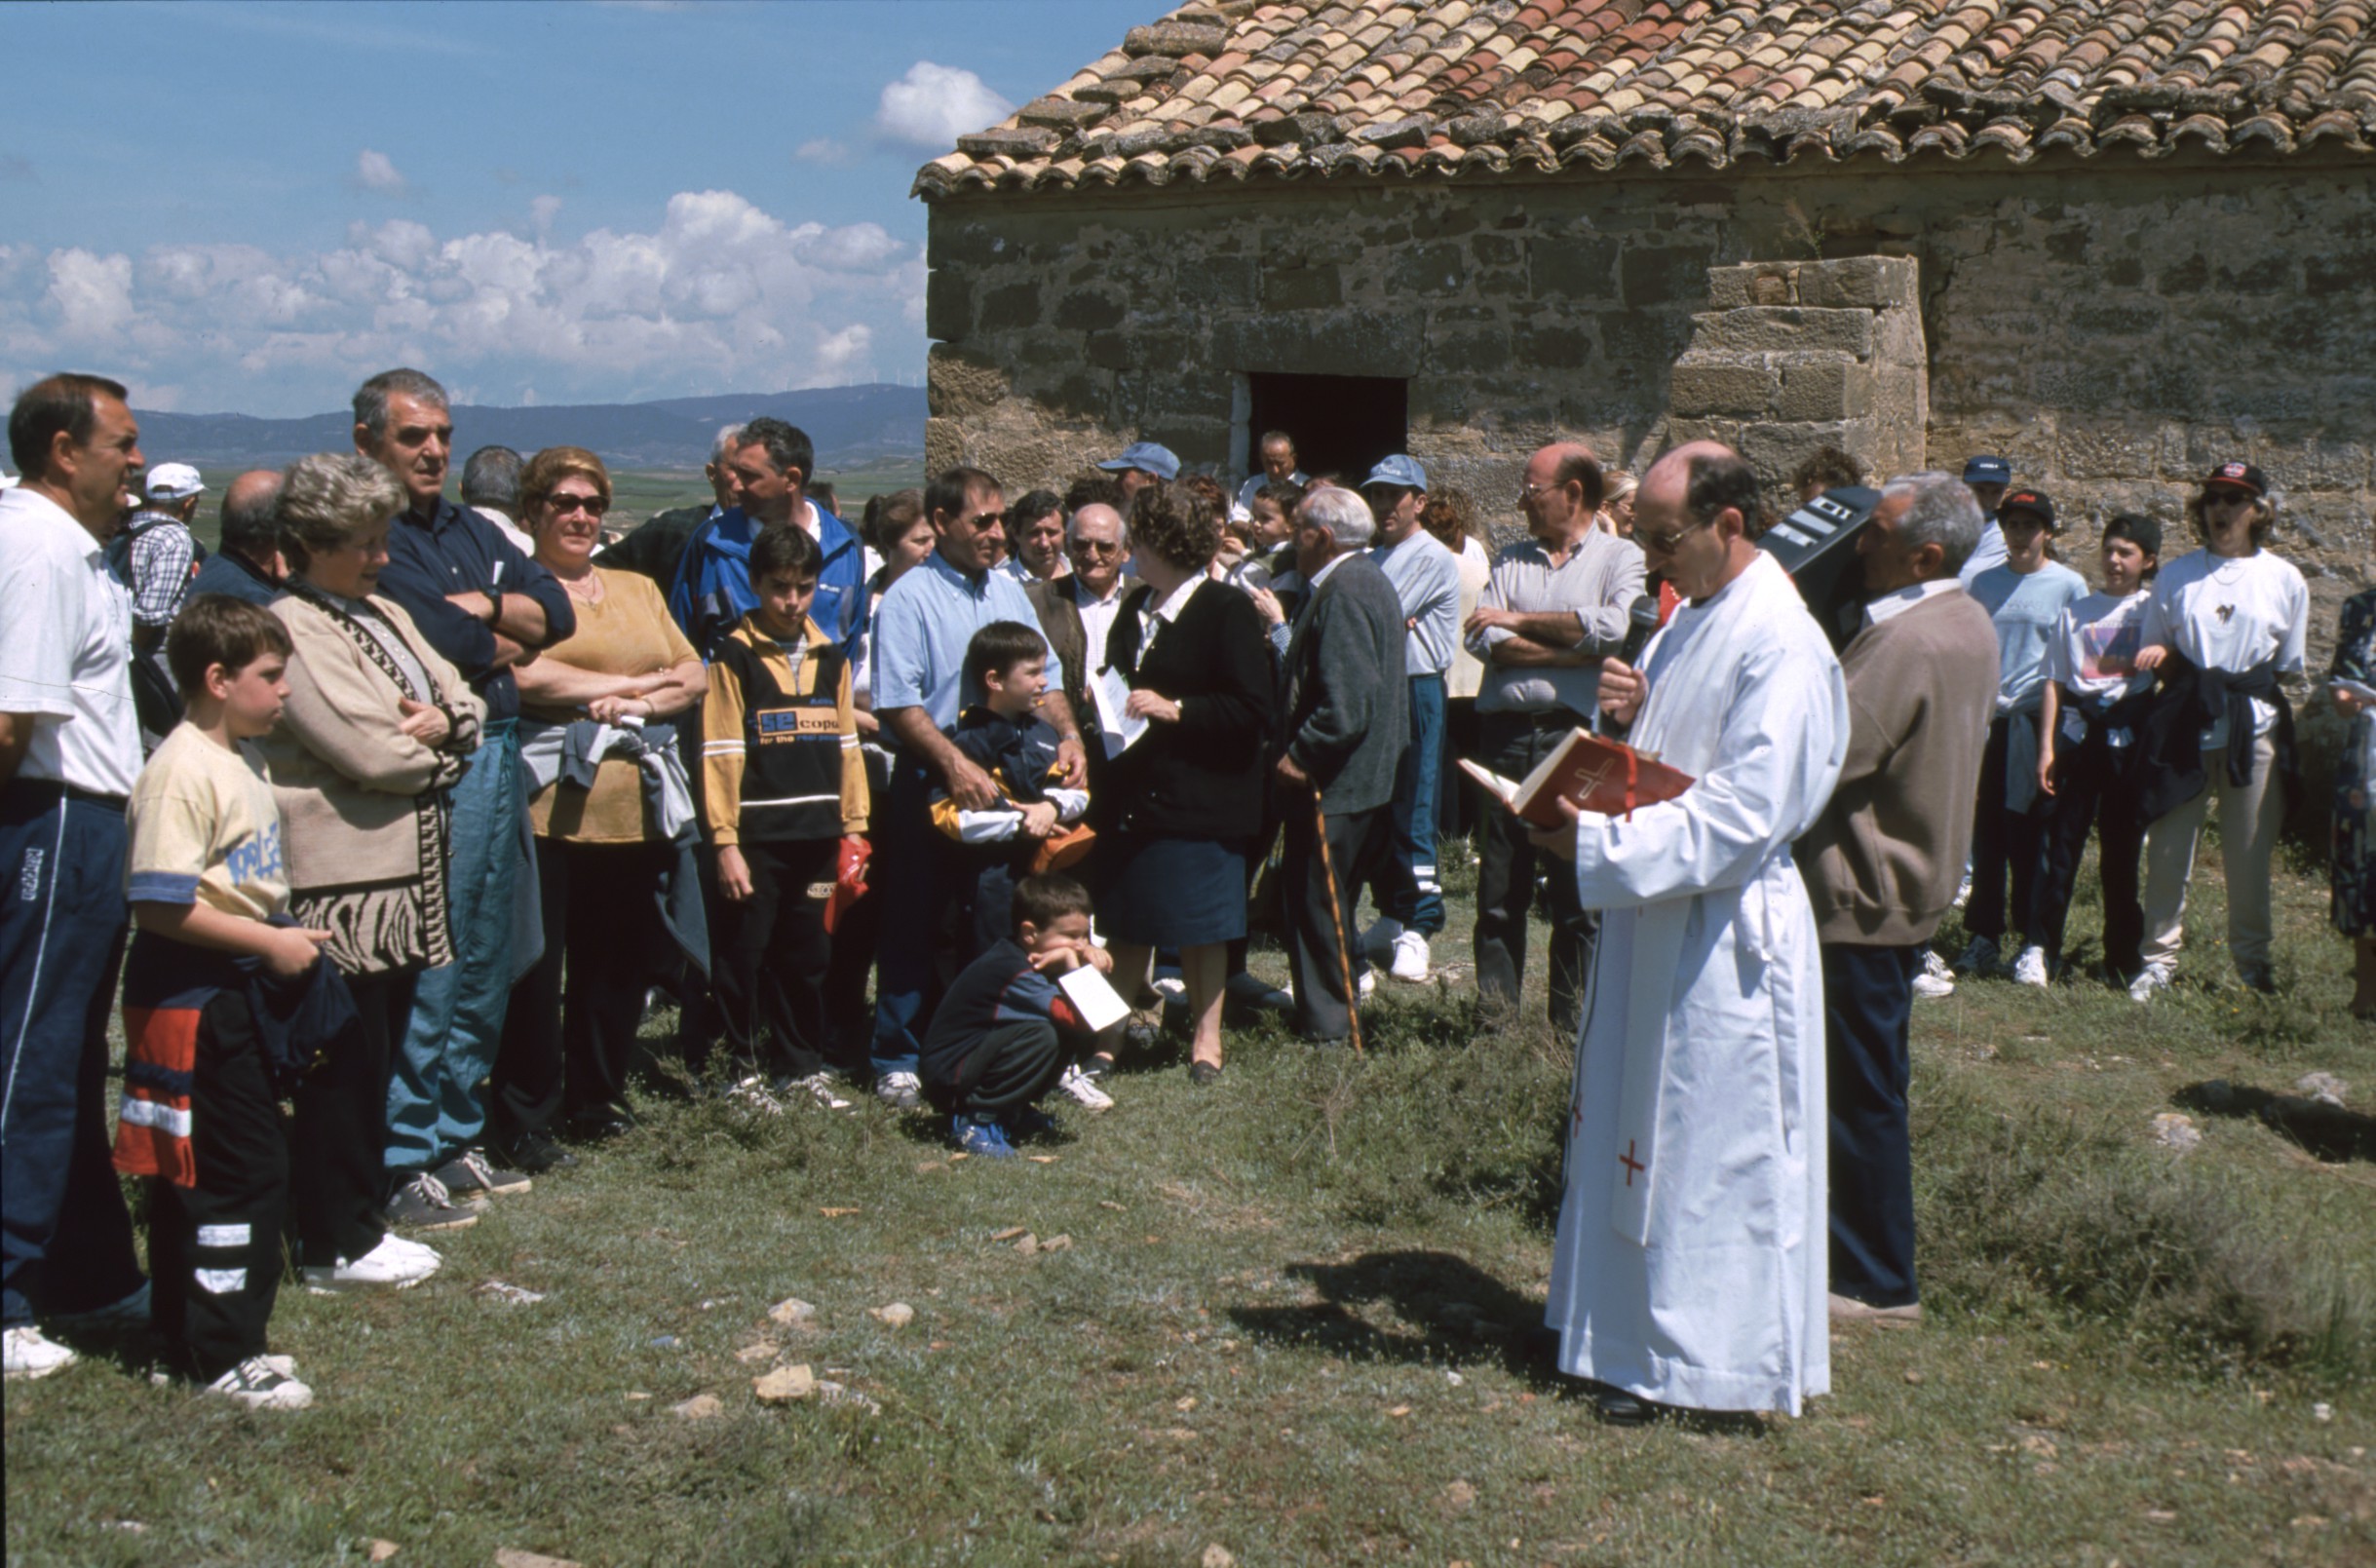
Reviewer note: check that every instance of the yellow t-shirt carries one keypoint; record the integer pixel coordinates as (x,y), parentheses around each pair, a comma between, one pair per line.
(627,633)
(204,830)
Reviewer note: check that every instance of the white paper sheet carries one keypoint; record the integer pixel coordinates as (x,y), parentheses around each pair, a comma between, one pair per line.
(1100,1003)
(1110,691)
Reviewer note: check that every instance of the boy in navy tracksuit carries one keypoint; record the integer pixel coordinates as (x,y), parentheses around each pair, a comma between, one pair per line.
(1002,1036)
(1008,663)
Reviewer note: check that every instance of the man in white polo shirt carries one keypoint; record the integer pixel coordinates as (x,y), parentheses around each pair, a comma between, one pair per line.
(69,751)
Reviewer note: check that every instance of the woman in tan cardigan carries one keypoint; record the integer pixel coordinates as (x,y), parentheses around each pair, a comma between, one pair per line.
(377,729)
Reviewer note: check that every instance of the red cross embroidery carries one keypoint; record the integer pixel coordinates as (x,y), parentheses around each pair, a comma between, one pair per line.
(1630,1164)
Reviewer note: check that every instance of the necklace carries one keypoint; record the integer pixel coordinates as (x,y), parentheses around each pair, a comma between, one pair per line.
(585,589)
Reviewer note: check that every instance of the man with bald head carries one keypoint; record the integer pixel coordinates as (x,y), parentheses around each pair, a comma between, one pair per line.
(1556,604)
(1078,610)
(247,562)
(1690,1264)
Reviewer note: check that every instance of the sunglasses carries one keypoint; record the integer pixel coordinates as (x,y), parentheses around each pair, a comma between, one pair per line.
(2229,498)
(1098,547)
(1664,544)
(560,506)
(989,519)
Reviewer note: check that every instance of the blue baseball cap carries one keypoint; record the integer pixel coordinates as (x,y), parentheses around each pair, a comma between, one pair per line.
(1398,470)
(1987,471)
(1148,458)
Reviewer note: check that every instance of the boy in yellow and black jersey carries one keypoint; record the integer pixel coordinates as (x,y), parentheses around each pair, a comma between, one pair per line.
(783,782)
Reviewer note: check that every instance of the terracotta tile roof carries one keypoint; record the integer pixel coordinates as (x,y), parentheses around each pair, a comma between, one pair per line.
(1335,88)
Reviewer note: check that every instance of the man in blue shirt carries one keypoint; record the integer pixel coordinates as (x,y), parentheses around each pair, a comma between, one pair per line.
(486,607)
(921,630)
(247,559)
(1427,580)
(771,464)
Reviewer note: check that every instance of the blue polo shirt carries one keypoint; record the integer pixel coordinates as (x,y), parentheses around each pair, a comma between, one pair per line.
(921,630)
(459,551)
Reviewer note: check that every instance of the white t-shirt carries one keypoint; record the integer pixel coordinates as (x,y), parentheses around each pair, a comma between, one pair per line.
(65,648)
(2095,646)
(204,830)
(2232,613)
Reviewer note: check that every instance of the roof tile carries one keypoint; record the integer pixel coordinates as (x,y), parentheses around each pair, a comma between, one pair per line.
(1366,86)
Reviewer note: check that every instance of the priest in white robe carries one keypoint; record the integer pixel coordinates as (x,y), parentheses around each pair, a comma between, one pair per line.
(1691,1265)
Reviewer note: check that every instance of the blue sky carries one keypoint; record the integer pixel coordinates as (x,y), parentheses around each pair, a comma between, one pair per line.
(249,207)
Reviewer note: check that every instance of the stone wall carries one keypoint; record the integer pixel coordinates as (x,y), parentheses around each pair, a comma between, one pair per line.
(2114,326)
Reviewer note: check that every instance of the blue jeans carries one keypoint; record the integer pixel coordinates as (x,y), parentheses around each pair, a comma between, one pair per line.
(914,887)
(65,1237)
(1407,887)
(434,1105)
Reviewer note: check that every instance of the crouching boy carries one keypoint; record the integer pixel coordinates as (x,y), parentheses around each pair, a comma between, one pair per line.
(208,1056)
(1007,662)
(1005,1032)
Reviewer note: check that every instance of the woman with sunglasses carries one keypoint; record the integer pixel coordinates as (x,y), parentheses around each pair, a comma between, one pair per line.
(2241,616)
(601,854)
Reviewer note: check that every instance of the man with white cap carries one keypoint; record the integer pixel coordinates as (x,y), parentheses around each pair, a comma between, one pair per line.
(157,555)
(1426,580)
(1140,465)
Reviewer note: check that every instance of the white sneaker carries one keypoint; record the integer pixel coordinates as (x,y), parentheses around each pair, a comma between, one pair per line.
(1963,891)
(751,1093)
(2151,979)
(1171,988)
(396,1263)
(1937,980)
(1084,1088)
(819,1086)
(31,1353)
(260,1385)
(1369,984)
(1379,935)
(2030,967)
(901,1092)
(1980,957)
(1412,962)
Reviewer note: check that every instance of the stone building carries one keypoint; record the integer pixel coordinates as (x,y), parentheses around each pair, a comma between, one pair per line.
(2133,236)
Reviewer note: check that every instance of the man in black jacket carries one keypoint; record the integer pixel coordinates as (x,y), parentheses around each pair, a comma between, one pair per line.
(655,548)
(1346,727)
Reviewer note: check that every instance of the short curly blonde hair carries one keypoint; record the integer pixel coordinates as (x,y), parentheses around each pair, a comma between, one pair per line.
(331,498)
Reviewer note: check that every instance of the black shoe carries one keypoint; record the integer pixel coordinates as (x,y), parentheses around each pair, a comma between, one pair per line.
(1200,1073)
(1618,1408)
(1096,1066)
(600,1127)
(536,1153)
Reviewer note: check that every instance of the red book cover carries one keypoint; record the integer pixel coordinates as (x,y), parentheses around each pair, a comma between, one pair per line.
(1597,772)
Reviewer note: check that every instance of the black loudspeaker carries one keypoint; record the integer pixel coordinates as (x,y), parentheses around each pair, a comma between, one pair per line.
(1816,545)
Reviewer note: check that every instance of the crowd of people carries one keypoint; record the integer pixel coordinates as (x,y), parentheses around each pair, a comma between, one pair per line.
(407,805)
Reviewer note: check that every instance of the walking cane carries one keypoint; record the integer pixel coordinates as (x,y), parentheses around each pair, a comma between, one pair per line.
(1336,918)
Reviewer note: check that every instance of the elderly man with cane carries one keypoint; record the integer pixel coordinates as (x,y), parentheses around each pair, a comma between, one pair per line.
(1346,727)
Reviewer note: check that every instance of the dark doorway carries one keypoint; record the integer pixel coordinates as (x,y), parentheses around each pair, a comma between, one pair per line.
(1342,424)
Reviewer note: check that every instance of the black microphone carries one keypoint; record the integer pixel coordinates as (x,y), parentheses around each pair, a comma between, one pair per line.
(1644,619)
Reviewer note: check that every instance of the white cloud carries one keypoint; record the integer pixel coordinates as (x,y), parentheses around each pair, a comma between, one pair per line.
(543,211)
(717,295)
(376,171)
(933,105)
(825,152)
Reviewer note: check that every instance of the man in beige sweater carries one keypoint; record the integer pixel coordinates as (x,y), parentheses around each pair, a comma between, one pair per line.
(1883,862)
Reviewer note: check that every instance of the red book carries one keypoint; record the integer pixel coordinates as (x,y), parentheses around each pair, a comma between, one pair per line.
(1596,773)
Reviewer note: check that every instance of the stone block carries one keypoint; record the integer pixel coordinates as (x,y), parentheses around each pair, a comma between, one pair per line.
(1897,338)
(1775,448)
(1573,268)
(1438,400)
(1641,339)
(2185,276)
(955,244)
(1009,308)
(2082,387)
(1663,275)
(2116,321)
(2092,450)
(1221,281)
(1319,343)
(1426,268)
(1468,350)
(2265,275)
(1556,345)
(1708,388)
(963,384)
(1872,283)
(1110,351)
(1302,288)
(948,304)
(2341,273)
(944,444)
(1823,387)
(1088,312)
(1783,330)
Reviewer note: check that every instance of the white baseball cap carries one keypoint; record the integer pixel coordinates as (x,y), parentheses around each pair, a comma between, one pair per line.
(174,482)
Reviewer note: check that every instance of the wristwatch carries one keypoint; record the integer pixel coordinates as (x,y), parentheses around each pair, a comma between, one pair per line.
(494,599)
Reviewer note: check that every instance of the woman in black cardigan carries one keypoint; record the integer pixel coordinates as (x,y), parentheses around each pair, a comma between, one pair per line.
(1182,802)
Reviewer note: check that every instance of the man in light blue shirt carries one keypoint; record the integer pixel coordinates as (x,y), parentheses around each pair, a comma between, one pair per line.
(921,630)
(1278,452)
(1426,578)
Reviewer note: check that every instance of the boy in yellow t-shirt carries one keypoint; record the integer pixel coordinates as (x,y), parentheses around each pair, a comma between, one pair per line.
(201,1113)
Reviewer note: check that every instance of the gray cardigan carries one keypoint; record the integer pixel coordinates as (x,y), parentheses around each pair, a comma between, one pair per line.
(1347,702)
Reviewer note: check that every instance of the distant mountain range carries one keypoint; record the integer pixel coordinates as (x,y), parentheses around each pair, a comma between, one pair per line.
(852,426)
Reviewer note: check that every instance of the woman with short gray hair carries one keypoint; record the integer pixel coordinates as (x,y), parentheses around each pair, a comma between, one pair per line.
(376,730)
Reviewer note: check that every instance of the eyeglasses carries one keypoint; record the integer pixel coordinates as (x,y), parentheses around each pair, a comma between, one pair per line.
(560,506)
(987,520)
(1664,544)
(1527,492)
(1098,547)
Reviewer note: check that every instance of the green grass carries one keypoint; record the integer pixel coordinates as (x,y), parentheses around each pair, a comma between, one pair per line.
(1293,1322)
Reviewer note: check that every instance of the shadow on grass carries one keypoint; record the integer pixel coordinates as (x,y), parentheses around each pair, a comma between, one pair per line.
(2326,1132)
(1454,1310)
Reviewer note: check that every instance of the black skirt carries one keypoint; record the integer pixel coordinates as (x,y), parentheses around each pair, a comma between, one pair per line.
(1160,892)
